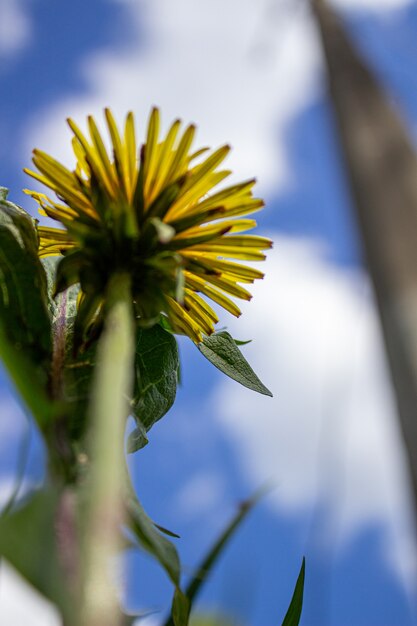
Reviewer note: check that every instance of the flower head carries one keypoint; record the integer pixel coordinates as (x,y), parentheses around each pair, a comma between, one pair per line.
(153,214)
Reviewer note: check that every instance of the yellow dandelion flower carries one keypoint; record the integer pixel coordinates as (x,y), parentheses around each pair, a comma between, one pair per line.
(154,214)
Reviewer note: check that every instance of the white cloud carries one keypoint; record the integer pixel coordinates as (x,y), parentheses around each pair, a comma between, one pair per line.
(329,437)
(21,604)
(241,70)
(201,495)
(237,69)
(15,26)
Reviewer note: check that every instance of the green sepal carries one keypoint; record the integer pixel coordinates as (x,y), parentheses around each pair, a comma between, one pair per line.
(189,221)
(166,198)
(68,271)
(87,310)
(221,350)
(183,242)
(138,196)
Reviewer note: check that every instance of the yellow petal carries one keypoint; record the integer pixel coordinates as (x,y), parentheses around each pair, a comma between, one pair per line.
(150,160)
(120,161)
(198,284)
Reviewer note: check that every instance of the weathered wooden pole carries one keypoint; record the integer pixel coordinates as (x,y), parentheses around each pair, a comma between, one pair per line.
(382,168)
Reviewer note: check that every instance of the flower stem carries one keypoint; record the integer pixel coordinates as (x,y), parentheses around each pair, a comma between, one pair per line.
(109,409)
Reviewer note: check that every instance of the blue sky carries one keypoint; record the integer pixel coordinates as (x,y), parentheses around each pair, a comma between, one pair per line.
(250,74)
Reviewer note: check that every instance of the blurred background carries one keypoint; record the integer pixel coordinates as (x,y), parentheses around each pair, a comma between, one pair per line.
(250,74)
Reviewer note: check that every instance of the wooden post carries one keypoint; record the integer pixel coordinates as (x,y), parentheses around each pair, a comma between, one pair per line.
(382,167)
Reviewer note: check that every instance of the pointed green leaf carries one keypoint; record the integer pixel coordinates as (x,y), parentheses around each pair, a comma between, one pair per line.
(202,572)
(293,615)
(221,350)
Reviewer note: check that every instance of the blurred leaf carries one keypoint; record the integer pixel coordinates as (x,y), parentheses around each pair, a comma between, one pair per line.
(180,610)
(28,543)
(29,383)
(156,374)
(25,323)
(293,615)
(201,574)
(212,619)
(131,620)
(151,540)
(221,350)
(23,293)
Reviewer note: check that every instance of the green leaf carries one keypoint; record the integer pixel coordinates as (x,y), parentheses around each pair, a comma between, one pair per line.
(72,372)
(23,288)
(133,620)
(180,610)
(156,367)
(202,572)
(26,541)
(151,540)
(221,350)
(28,381)
(293,615)
(25,322)
(156,375)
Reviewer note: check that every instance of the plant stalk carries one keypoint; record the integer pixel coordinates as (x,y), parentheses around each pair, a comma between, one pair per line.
(109,409)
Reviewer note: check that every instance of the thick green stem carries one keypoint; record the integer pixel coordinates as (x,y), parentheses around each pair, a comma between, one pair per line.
(112,388)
